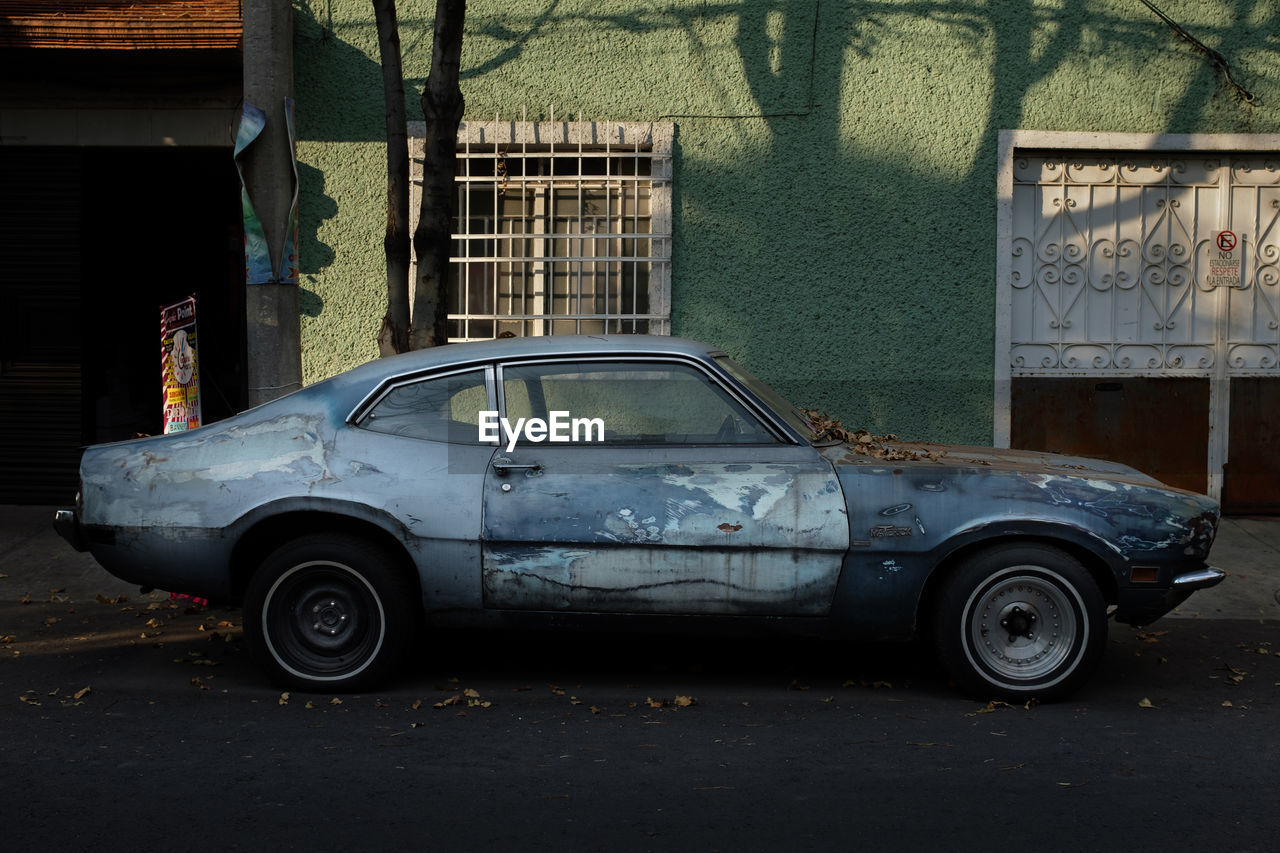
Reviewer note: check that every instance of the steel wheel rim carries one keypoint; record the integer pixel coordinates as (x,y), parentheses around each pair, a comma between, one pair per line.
(323,621)
(1024,625)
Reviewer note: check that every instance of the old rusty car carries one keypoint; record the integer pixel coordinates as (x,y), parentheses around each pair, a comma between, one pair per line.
(592,481)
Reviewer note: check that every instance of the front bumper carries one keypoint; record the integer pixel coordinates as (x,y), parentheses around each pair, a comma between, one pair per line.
(1142,606)
(1201,579)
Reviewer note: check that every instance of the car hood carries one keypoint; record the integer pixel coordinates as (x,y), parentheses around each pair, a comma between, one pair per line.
(956,456)
(949,487)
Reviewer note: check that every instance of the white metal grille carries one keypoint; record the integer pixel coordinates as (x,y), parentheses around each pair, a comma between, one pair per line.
(1109,264)
(1105,265)
(561,228)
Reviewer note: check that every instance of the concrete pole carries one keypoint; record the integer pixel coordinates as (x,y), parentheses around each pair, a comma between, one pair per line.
(273,332)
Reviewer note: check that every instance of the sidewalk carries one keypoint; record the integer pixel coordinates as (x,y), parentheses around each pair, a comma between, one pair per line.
(34,561)
(1248,550)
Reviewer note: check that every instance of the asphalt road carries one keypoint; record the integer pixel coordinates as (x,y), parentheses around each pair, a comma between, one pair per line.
(128,728)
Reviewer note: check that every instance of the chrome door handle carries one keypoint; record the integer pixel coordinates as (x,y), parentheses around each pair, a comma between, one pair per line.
(502,466)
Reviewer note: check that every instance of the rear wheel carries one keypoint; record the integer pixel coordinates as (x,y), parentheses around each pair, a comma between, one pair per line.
(330,612)
(1020,621)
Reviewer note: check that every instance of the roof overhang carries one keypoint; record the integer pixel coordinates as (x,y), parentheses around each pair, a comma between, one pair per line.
(121,24)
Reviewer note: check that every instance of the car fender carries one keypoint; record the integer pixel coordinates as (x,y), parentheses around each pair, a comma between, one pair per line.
(883,594)
(446,570)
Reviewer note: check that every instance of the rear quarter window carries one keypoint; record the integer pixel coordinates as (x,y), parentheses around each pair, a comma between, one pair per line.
(445,408)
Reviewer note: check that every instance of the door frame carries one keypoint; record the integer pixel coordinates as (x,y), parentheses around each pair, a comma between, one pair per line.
(1011,141)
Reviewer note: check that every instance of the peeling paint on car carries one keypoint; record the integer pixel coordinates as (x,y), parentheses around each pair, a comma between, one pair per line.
(694,537)
(657,580)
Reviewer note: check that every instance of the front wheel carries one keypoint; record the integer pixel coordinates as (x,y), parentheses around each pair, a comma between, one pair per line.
(1020,621)
(330,613)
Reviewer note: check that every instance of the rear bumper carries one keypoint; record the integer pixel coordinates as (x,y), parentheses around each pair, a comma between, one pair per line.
(67,523)
(1142,606)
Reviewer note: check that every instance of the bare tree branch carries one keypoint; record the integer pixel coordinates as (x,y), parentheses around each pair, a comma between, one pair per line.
(1214,56)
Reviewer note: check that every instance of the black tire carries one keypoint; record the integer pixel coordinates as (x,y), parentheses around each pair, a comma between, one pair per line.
(330,613)
(1020,621)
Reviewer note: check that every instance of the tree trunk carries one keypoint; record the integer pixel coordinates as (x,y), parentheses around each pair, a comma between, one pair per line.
(442,106)
(393,337)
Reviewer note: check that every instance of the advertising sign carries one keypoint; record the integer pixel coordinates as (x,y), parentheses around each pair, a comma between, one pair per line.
(180,369)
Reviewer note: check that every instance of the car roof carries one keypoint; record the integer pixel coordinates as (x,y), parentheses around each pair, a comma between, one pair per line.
(360,380)
(533,347)
(505,348)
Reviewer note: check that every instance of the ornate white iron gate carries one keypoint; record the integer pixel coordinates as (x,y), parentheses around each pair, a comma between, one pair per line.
(1140,263)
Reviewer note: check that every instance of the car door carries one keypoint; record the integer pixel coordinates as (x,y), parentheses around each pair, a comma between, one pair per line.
(650,486)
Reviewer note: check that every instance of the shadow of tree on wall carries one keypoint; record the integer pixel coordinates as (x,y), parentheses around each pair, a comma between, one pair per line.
(864,280)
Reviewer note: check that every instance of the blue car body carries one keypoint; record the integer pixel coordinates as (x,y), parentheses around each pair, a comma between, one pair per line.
(769,519)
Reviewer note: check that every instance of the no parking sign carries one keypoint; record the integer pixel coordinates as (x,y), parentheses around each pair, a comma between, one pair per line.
(1223,261)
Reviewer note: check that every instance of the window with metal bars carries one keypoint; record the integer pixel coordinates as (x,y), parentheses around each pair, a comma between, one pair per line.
(560,228)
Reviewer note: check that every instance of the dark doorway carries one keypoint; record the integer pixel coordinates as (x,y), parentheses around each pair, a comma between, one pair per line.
(1159,426)
(1252,481)
(157,226)
(106,237)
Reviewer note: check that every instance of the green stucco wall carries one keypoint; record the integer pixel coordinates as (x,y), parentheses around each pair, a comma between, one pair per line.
(835,170)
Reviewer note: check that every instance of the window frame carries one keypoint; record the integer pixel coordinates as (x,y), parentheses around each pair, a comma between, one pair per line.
(367,407)
(652,140)
(748,405)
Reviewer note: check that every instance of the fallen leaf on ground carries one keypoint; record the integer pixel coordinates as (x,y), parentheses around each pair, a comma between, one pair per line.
(993,706)
(1144,702)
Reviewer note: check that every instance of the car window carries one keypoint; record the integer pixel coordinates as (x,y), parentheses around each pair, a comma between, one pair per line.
(633,403)
(782,407)
(446,408)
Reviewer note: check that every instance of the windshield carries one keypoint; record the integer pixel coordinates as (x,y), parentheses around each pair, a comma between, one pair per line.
(771,398)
